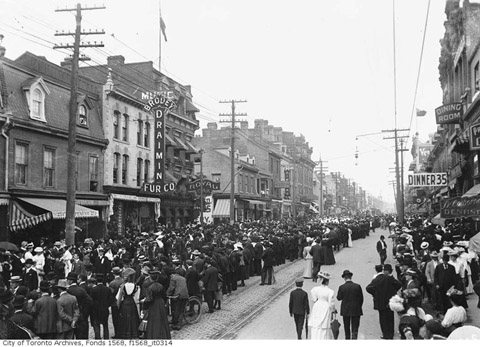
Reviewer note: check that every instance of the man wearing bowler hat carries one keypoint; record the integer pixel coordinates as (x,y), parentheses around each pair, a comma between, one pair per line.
(44,311)
(351,296)
(20,317)
(68,312)
(299,307)
(382,288)
(85,304)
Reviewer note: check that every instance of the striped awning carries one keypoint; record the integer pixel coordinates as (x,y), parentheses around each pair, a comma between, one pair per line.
(21,219)
(222,208)
(58,208)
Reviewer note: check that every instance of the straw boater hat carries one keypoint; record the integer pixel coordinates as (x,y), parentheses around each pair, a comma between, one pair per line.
(325,275)
(424,245)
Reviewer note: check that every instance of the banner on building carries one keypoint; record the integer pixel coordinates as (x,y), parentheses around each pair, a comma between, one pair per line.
(460,207)
(475,137)
(449,113)
(428,179)
(208,186)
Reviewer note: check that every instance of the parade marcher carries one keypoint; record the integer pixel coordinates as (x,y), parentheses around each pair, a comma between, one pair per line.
(307,273)
(299,307)
(44,312)
(102,300)
(322,309)
(68,312)
(351,296)
(382,288)
(382,249)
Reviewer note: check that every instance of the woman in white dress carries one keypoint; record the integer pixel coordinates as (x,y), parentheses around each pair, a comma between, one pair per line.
(308,259)
(350,242)
(323,307)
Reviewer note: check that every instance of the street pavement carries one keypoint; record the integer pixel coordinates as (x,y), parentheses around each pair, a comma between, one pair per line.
(257,312)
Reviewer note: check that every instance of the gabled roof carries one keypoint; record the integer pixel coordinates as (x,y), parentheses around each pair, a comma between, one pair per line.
(31,81)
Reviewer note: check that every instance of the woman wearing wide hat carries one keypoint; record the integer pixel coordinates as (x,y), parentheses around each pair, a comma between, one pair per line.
(322,309)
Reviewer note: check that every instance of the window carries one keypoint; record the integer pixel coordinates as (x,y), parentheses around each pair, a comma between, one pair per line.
(116,165)
(140,133)
(240,183)
(124,168)
(139,171)
(37,103)
(146,135)
(93,172)
(116,125)
(146,171)
(82,116)
(476,77)
(21,163)
(48,167)
(125,127)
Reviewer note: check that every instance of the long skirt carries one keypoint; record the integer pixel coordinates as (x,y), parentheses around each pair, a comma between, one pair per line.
(129,319)
(308,268)
(157,326)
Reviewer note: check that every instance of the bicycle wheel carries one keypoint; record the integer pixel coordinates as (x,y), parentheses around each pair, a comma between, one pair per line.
(193,310)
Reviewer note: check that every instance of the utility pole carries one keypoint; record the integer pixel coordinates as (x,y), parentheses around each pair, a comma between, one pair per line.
(73,112)
(201,187)
(322,170)
(232,162)
(399,195)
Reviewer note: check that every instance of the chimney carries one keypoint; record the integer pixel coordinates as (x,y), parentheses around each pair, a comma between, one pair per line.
(212,126)
(66,63)
(244,125)
(116,60)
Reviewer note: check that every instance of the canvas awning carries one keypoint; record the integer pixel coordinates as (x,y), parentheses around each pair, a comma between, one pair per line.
(475,190)
(222,208)
(192,148)
(58,208)
(22,219)
(181,144)
(169,141)
(134,198)
(256,202)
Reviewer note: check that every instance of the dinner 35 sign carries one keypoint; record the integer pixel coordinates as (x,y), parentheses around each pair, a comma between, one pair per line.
(160,106)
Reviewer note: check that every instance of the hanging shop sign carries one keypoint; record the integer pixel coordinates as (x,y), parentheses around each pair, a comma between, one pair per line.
(460,207)
(449,113)
(428,179)
(208,186)
(160,106)
(475,137)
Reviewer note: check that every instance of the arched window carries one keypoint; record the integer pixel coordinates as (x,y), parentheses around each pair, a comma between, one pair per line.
(37,103)
(82,115)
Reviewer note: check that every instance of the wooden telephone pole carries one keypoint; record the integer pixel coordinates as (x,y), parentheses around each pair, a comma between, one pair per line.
(73,111)
(232,161)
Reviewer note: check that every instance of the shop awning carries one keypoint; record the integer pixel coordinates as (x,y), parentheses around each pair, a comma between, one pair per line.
(181,144)
(21,219)
(256,202)
(58,208)
(92,202)
(475,190)
(169,141)
(222,208)
(192,148)
(133,198)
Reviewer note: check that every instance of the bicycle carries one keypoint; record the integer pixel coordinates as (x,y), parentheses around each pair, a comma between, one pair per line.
(193,308)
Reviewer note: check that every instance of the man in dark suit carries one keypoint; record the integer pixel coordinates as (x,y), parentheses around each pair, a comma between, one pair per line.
(298,306)
(102,299)
(382,288)
(20,317)
(257,258)
(44,311)
(351,296)
(443,279)
(268,258)
(78,266)
(114,287)
(210,278)
(68,312)
(30,276)
(192,277)
(382,249)
(84,305)
(316,251)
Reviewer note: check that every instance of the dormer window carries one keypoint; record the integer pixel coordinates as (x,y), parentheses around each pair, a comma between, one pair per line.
(82,116)
(35,91)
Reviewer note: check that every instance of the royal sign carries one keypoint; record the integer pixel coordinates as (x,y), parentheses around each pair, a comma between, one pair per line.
(460,207)
(208,186)
(475,137)
(449,113)
(160,106)
(428,179)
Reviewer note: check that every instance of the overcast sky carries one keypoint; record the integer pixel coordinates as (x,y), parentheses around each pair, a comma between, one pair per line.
(319,68)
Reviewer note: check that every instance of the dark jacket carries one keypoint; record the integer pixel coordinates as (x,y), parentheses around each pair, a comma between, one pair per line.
(84,300)
(102,298)
(351,296)
(192,277)
(444,278)
(30,279)
(210,279)
(44,310)
(316,251)
(268,257)
(379,247)
(298,303)
(382,288)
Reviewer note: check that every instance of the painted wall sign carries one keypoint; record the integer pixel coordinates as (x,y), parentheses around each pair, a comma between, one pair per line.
(449,113)
(428,179)
(160,106)
(475,137)
(460,207)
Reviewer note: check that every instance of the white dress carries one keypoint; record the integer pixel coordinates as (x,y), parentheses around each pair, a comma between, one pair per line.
(321,315)
(350,243)
(308,262)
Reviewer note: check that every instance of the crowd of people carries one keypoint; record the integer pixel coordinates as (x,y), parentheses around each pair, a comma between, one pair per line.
(53,290)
